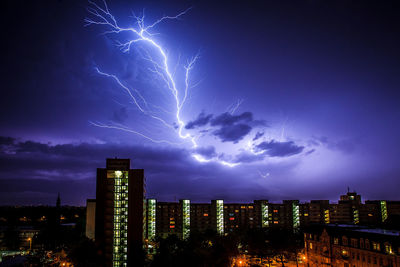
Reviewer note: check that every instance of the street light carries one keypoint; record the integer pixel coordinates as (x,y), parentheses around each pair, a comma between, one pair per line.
(30,243)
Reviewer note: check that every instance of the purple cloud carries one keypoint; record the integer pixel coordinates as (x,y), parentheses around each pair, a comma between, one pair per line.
(280,149)
(201,120)
(232,133)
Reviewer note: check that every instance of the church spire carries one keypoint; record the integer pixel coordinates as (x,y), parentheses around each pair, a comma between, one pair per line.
(58,203)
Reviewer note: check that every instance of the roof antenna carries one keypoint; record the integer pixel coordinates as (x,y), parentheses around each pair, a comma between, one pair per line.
(348,189)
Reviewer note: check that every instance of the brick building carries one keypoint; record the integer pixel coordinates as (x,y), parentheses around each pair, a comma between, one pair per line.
(350,245)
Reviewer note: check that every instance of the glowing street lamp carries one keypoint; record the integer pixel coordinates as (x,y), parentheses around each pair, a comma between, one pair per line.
(30,243)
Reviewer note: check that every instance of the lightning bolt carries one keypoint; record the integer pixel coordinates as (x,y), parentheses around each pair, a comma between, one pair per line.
(101,15)
(234,106)
(157,57)
(125,129)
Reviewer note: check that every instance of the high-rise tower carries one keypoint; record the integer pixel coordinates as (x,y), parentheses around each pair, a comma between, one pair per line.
(119,212)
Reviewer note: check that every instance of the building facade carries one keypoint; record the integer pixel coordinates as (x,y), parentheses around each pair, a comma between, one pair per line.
(350,245)
(119,220)
(181,218)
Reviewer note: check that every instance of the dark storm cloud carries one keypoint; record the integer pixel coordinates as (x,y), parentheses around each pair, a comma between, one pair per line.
(232,133)
(258,136)
(201,120)
(44,191)
(6,140)
(280,149)
(227,119)
(228,127)
(28,149)
(45,169)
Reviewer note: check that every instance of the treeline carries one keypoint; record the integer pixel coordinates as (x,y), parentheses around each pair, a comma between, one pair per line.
(207,249)
(211,249)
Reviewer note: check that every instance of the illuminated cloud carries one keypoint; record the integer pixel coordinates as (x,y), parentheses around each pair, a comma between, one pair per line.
(247,157)
(344,145)
(207,152)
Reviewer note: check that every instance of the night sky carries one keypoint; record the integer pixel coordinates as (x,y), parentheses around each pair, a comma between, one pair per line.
(301,100)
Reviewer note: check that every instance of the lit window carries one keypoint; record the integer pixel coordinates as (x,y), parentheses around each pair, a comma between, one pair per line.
(376,246)
(388,249)
(231,219)
(243,207)
(275,210)
(172,226)
(251,207)
(276,222)
(205,214)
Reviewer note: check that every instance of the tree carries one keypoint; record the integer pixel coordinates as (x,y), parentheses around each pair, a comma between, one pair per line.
(85,254)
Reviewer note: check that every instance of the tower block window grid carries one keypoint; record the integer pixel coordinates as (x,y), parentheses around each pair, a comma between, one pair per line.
(120,221)
(264,214)
(185,218)
(384,214)
(220,216)
(296,215)
(151,219)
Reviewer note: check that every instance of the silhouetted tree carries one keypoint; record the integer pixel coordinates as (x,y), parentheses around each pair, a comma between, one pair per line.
(84,254)
(199,250)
